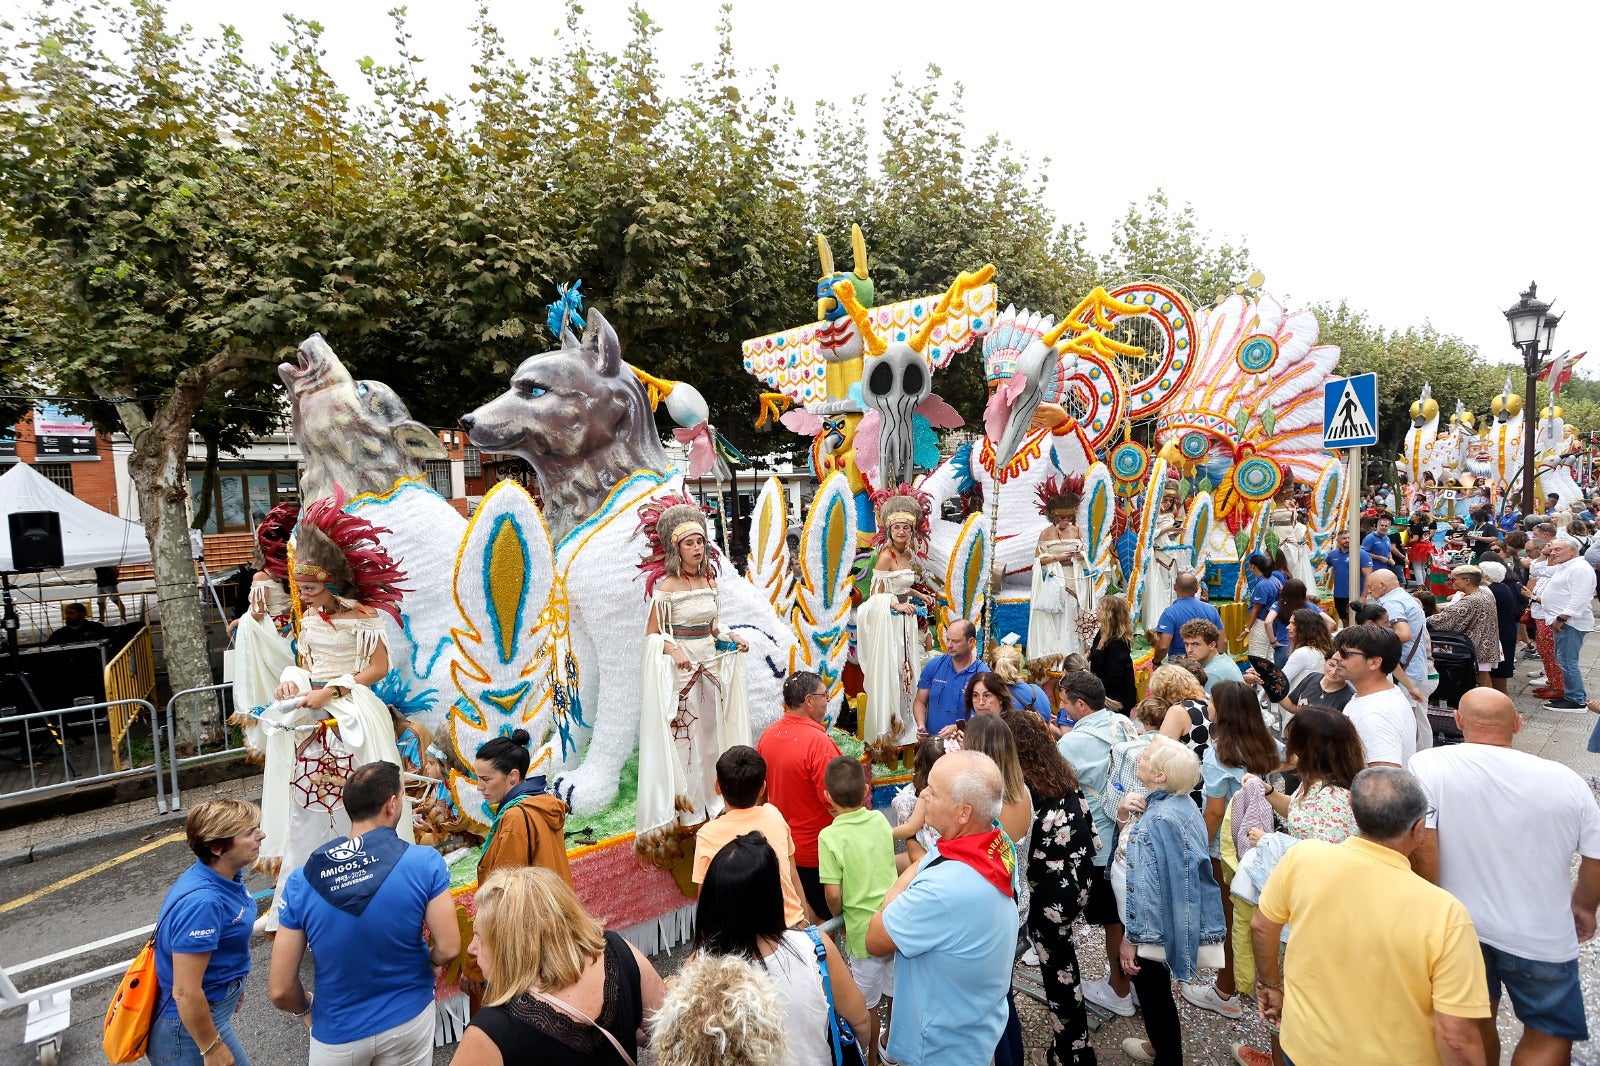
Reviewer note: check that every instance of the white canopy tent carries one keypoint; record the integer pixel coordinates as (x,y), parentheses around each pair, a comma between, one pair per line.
(89,536)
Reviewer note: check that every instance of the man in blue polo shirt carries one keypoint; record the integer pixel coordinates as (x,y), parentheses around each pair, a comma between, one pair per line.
(1339,563)
(361,904)
(1185,608)
(1378,545)
(941,690)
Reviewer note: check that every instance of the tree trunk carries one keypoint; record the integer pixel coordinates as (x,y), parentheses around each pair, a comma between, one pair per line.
(157,467)
(208,484)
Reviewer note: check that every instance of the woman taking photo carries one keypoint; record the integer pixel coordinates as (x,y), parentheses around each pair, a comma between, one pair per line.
(1111,654)
(562,990)
(1171,910)
(203,940)
(740,913)
(986,694)
(1060,865)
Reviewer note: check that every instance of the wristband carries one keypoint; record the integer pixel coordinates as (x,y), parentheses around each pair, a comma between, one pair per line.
(307,1011)
(211,1046)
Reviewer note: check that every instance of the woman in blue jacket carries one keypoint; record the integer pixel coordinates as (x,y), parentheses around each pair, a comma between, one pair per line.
(1171,909)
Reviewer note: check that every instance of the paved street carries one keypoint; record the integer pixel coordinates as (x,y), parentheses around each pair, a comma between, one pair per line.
(113,883)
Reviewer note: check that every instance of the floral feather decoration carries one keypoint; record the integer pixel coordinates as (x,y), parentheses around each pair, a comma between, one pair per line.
(373,573)
(907,500)
(1052,490)
(568,307)
(654,564)
(273,536)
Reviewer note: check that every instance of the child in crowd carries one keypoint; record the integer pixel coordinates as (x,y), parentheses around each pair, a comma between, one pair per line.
(855,863)
(1420,549)
(742,784)
(909,808)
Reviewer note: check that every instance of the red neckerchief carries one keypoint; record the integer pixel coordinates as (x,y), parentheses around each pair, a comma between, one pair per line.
(988,853)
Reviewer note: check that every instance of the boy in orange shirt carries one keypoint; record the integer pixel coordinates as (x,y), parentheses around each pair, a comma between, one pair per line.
(742,784)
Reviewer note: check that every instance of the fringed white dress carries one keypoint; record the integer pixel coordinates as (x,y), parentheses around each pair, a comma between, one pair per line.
(889,651)
(261,648)
(1168,558)
(1296,550)
(1062,597)
(310,753)
(688,716)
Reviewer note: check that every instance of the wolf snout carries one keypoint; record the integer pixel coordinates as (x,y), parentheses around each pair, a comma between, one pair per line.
(467,421)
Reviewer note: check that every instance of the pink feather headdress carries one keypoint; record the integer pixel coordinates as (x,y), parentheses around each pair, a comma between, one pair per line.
(905,500)
(273,537)
(340,548)
(1052,490)
(660,518)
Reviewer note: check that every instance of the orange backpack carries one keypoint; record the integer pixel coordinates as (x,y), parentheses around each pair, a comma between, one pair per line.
(134,1004)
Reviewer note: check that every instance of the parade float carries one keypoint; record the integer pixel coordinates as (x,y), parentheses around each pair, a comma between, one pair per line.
(536,616)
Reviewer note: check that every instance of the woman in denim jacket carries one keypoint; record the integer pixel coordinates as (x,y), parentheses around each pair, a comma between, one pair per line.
(1172,911)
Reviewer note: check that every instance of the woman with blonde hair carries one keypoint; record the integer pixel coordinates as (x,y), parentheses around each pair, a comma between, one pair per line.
(203,940)
(1111,654)
(1186,720)
(1024,693)
(562,990)
(722,1011)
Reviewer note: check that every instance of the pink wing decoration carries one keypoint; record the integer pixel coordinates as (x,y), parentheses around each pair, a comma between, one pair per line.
(940,415)
(697,441)
(802,422)
(1000,404)
(866,446)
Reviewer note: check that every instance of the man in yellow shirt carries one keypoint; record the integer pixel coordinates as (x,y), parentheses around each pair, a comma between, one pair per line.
(1381,966)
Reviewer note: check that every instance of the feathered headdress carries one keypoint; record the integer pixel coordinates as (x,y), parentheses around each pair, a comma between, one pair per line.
(1069,487)
(664,521)
(904,502)
(340,549)
(272,535)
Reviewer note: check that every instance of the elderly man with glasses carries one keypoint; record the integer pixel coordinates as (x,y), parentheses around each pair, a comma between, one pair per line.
(798,749)
(1567,600)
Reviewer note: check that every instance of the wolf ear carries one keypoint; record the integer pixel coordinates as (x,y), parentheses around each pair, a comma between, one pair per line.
(418,441)
(569,339)
(601,339)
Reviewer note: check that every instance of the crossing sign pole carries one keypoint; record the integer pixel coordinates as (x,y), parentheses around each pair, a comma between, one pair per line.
(1350,420)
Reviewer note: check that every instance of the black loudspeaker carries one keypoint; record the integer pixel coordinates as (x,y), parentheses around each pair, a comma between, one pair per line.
(36,540)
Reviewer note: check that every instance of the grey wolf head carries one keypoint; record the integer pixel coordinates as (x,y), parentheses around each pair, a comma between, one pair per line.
(356,433)
(580,418)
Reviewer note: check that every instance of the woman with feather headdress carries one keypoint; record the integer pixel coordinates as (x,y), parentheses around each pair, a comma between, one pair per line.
(693,703)
(261,635)
(326,721)
(887,642)
(1062,599)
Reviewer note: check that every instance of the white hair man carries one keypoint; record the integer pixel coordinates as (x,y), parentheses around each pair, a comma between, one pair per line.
(1509,861)
(951,923)
(1567,597)
(1410,625)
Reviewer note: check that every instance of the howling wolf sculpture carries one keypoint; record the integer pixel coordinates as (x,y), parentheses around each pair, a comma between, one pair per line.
(582,420)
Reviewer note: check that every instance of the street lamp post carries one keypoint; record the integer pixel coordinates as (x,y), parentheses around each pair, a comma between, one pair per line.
(1533,330)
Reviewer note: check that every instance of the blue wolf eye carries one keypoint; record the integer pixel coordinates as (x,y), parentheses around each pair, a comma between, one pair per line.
(361,388)
(538,390)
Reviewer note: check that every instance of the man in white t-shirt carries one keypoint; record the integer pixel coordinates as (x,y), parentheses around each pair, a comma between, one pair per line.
(1380,710)
(1500,835)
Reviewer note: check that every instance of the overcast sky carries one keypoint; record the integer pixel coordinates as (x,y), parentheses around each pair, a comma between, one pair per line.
(1422,160)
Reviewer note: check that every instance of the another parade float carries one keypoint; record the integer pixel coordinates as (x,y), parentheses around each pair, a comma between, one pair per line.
(536,617)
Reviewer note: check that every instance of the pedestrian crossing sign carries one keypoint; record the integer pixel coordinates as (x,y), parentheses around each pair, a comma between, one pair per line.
(1350,412)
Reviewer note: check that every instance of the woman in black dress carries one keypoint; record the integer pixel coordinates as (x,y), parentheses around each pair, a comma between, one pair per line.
(1111,655)
(1060,865)
(537,946)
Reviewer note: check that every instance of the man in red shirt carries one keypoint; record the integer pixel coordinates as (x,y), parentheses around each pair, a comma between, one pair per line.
(797,749)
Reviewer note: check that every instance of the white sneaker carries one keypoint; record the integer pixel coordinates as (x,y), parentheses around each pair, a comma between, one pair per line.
(1137,1049)
(1100,994)
(1030,958)
(1536,673)
(1205,997)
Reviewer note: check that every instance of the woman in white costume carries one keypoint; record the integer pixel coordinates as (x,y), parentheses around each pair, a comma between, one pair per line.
(888,645)
(1169,557)
(326,721)
(694,705)
(1292,538)
(1062,600)
(261,650)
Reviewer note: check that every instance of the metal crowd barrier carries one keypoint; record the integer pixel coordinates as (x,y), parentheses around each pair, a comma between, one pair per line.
(50,1006)
(45,734)
(202,700)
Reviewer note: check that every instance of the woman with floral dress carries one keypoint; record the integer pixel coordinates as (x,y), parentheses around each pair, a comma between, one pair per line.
(1060,863)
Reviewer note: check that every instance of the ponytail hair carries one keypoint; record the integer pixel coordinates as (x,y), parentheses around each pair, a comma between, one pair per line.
(506,754)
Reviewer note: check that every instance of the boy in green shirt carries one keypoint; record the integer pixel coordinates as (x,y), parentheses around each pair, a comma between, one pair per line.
(855,863)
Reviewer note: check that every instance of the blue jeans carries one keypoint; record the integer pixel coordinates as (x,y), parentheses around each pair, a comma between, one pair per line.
(1569,642)
(1545,996)
(171,1044)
